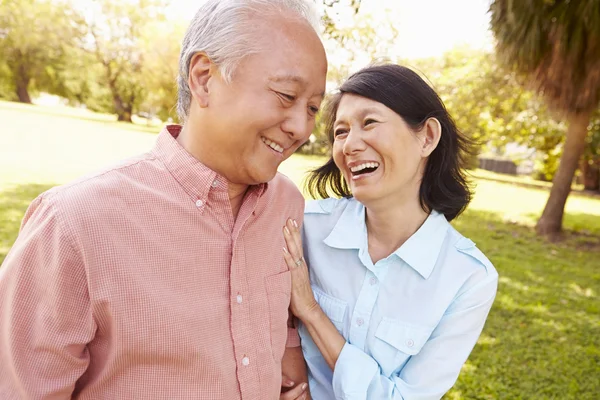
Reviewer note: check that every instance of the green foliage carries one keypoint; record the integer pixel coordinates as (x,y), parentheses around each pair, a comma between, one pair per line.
(117,31)
(555,46)
(35,41)
(162,44)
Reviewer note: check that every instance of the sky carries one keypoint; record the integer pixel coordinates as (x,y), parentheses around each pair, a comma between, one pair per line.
(425,27)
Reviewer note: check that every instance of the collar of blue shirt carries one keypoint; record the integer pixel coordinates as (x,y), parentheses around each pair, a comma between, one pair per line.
(420,251)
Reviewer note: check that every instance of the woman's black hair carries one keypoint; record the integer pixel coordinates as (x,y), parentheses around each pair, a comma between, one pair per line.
(444,187)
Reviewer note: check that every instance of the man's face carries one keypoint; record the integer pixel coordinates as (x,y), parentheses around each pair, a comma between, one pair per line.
(268,110)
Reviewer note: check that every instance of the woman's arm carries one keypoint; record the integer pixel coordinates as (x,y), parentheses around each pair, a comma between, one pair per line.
(356,375)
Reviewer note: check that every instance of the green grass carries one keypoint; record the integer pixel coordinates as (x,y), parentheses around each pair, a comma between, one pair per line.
(542,339)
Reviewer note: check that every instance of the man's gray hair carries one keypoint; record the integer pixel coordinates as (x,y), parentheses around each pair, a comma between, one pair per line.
(223,29)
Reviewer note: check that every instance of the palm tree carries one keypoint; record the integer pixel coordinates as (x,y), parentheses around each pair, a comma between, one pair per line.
(555,46)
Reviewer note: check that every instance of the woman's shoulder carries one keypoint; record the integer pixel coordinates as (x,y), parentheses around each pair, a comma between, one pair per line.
(467,253)
(322,216)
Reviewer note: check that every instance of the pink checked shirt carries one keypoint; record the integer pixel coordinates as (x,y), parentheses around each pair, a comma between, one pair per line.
(137,283)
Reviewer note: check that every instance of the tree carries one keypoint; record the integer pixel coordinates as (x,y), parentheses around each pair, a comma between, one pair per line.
(590,165)
(35,37)
(555,46)
(116,31)
(162,44)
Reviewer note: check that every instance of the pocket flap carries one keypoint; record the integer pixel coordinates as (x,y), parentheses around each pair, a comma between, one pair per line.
(281,282)
(407,338)
(334,308)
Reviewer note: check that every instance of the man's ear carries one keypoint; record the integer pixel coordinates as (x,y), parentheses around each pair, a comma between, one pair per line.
(202,70)
(430,136)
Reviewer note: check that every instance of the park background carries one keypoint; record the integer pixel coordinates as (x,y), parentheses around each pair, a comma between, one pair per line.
(85,83)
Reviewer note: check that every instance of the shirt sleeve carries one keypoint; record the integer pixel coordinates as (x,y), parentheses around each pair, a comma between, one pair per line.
(430,373)
(45,314)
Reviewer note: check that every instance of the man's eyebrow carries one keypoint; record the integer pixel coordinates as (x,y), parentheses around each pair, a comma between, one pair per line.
(288,78)
(294,79)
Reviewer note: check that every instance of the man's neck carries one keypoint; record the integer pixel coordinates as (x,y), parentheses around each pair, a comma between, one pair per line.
(187,140)
(236,197)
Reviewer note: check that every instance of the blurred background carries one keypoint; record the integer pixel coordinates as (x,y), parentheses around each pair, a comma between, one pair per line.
(84,83)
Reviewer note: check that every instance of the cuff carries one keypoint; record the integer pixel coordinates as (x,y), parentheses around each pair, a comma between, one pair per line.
(353,373)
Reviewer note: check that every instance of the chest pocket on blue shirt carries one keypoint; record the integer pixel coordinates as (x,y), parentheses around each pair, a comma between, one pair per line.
(334,308)
(396,342)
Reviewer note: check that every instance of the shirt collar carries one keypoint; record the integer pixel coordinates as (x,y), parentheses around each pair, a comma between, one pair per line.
(350,231)
(193,176)
(420,251)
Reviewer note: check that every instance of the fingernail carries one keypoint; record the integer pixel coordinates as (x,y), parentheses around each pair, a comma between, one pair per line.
(295,223)
(304,386)
(286,230)
(285,250)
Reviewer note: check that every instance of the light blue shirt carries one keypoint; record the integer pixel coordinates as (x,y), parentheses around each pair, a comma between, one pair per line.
(410,320)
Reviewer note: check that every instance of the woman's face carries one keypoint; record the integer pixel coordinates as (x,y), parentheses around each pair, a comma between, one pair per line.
(379,155)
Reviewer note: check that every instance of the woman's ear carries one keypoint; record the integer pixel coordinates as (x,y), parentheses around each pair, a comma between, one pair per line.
(430,136)
(201,71)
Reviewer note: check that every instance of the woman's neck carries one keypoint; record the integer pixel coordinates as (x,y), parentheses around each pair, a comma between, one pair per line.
(390,225)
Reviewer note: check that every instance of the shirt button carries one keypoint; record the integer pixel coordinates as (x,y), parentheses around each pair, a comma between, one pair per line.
(199,203)
(410,343)
(215,183)
(360,321)
(245,361)
(239,298)
(373,280)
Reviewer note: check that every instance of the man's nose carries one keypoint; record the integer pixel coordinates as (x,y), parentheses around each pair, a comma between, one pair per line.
(298,124)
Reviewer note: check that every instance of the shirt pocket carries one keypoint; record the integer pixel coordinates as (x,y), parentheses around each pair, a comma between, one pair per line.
(279,289)
(335,309)
(397,341)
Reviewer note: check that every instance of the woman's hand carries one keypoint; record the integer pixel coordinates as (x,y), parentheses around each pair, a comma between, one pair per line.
(303,300)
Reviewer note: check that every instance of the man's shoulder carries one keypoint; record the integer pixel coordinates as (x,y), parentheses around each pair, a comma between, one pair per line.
(100,187)
(283,187)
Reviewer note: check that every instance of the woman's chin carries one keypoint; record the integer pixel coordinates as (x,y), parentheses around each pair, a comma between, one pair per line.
(363,194)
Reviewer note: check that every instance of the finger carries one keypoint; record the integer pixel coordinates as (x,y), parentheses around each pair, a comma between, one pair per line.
(292,245)
(287,235)
(295,393)
(289,260)
(286,382)
(296,235)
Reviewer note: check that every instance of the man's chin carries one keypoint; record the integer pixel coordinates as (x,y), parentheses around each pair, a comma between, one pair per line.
(263,176)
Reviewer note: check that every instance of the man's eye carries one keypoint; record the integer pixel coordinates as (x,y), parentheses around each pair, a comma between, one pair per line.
(287,97)
(369,121)
(339,132)
(313,110)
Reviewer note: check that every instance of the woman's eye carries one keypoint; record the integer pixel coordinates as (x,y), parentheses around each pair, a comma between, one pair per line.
(369,121)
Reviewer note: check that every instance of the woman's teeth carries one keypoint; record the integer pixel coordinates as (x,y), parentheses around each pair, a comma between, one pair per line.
(358,168)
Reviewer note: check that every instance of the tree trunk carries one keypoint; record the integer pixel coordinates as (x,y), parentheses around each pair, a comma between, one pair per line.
(551,220)
(123,111)
(22,93)
(125,115)
(590,174)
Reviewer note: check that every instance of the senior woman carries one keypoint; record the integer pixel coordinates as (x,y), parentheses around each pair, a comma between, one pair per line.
(391,298)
